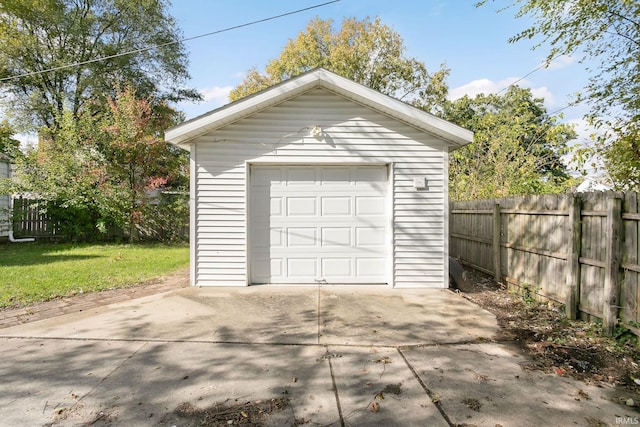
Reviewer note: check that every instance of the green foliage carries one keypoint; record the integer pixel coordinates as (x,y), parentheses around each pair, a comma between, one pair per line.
(621,154)
(529,295)
(367,52)
(137,159)
(624,336)
(607,32)
(36,272)
(9,146)
(51,34)
(81,223)
(617,149)
(168,220)
(100,172)
(517,147)
(64,174)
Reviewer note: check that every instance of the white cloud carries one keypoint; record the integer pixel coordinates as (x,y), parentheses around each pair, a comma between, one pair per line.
(545,93)
(562,61)
(487,86)
(476,87)
(212,98)
(216,94)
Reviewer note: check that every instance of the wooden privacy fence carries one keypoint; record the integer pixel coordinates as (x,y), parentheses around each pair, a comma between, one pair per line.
(29,220)
(578,249)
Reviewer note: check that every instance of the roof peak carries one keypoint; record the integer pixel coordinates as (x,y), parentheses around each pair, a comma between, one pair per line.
(183,133)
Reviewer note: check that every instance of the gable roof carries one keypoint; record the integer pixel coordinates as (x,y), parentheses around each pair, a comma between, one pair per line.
(183,133)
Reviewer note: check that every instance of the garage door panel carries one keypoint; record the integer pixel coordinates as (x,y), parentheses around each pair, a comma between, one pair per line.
(265,237)
(276,206)
(335,206)
(266,177)
(302,268)
(368,175)
(318,223)
(372,267)
(296,176)
(301,206)
(336,176)
(275,235)
(370,236)
(370,206)
(338,237)
(299,237)
(336,267)
(265,269)
(265,207)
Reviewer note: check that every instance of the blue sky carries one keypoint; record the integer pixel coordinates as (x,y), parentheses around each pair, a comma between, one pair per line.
(471,41)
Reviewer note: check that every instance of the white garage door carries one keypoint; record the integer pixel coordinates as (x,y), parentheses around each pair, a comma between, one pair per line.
(318,224)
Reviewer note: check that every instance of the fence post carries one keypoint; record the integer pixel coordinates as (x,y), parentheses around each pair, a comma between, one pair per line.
(496,243)
(573,260)
(612,268)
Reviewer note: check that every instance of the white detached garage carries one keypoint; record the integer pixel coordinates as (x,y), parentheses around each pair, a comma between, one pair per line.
(319,180)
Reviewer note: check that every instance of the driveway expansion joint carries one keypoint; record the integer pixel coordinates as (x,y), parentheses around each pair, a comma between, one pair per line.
(434,398)
(328,356)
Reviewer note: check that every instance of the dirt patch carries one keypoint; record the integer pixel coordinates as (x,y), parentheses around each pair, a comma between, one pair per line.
(228,413)
(392,389)
(555,344)
(473,404)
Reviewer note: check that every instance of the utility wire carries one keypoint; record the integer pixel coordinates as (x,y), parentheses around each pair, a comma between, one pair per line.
(539,67)
(144,49)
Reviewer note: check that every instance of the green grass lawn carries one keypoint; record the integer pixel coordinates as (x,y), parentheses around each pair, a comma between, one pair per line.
(32,272)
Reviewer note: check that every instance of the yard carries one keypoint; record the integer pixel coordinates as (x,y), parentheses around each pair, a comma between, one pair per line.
(34,272)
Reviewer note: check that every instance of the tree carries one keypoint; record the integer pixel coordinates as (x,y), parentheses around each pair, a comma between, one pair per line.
(39,39)
(367,52)
(619,149)
(103,171)
(517,147)
(137,159)
(608,32)
(64,174)
(8,145)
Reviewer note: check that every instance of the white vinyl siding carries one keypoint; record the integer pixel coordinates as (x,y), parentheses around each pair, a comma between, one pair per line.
(351,135)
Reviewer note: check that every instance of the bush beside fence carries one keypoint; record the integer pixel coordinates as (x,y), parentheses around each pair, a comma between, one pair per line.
(165,221)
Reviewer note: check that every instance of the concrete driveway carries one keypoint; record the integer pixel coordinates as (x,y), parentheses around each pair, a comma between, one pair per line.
(338,355)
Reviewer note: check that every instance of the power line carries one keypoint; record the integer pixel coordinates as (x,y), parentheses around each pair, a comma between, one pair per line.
(539,67)
(560,109)
(145,49)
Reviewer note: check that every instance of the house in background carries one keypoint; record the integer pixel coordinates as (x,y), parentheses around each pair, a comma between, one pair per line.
(5,172)
(319,180)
